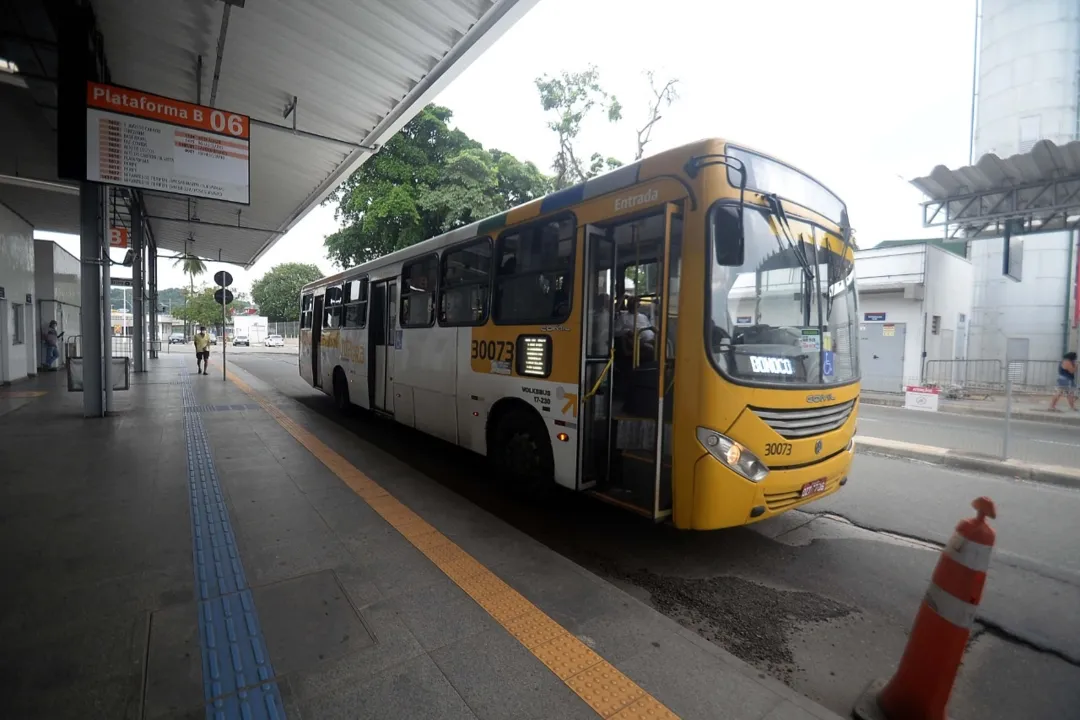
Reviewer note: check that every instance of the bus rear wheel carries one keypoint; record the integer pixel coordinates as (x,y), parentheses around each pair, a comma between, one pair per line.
(341,391)
(522,454)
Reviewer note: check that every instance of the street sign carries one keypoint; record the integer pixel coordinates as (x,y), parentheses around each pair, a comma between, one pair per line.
(223,293)
(917,397)
(222,278)
(148,141)
(118,237)
(120,282)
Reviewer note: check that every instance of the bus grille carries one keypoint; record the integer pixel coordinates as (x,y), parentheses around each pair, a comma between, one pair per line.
(793,424)
(785,500)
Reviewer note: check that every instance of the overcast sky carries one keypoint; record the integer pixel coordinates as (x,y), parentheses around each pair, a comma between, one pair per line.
(861,96)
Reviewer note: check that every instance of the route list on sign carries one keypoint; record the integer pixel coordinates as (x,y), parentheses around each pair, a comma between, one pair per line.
(147,141)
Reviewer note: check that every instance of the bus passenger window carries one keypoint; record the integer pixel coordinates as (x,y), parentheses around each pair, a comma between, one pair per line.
(356,291)
(418,281)
(465,284)
(332,313)
(534,280)
(305,310)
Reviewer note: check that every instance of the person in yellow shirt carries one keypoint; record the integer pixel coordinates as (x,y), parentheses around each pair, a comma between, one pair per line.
(202,351)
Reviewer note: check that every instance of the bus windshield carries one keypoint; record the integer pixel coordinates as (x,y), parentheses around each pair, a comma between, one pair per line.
(783,310)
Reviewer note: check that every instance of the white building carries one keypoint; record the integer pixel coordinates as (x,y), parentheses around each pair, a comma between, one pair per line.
(19,334)
(915,301)
(1028,90)
(57,279)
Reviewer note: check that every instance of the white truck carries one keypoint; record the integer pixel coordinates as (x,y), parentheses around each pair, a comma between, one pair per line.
(254,328)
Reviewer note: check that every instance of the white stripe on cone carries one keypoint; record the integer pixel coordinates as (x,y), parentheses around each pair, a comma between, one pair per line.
(968,553)
(952,609)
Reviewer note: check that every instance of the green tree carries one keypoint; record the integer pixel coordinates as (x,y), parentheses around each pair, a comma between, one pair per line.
(277,293)
(201,308)
(429,178)
(193,266)
(120,298)
(571,98)
(172,298)
(240,302)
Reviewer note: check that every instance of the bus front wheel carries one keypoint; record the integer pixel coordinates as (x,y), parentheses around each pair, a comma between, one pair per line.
(341,391)
(523,453)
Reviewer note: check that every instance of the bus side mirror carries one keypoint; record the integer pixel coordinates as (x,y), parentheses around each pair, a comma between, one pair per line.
(729,246)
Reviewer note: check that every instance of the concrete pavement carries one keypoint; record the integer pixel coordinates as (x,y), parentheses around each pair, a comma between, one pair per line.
(1038,451)
(823,603)
(1024,407)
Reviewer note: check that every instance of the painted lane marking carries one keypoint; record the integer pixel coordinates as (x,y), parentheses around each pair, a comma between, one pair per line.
(1055,442)
(596,681)
(238,679)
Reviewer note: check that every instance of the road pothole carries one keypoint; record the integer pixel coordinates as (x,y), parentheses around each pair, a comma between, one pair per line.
(749,620)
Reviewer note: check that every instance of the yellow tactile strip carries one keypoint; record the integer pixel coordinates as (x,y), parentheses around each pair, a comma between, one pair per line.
(596,681)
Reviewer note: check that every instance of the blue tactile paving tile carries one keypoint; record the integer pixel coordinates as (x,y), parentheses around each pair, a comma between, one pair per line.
(237,673)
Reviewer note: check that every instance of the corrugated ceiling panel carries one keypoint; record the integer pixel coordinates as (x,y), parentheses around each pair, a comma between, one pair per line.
(1045,161)
(350,63)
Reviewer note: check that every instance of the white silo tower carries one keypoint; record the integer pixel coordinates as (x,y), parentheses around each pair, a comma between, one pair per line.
(1028,89)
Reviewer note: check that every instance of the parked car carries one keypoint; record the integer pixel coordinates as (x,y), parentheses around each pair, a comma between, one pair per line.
(241,340)
(275,341)
(177,339)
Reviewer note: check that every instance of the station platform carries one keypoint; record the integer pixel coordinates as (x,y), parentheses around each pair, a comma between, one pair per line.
(215,549)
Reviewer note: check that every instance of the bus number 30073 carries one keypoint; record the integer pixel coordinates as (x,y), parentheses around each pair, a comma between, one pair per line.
(777,448)
(493,350)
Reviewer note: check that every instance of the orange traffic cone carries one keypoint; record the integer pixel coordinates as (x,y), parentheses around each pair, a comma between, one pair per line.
(922,684)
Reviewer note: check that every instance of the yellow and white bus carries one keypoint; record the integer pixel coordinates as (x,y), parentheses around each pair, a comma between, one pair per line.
(676,337)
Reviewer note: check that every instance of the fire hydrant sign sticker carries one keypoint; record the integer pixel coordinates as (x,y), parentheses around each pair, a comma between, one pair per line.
(157,143)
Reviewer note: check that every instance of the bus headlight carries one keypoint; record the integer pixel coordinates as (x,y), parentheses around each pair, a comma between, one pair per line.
(732,454)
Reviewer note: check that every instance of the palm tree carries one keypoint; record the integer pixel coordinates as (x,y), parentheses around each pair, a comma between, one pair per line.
(192,266)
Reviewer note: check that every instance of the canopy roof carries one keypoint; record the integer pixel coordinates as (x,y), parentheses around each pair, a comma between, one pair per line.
(1039,191)
(325,84)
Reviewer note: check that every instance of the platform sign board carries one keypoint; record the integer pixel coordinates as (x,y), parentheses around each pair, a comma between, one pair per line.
(917,397)
(118,237)
(152,142)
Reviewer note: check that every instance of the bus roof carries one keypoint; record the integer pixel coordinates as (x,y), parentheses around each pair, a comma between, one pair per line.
(617,179)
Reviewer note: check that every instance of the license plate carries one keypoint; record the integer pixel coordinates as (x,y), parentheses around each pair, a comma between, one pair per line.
(813,487)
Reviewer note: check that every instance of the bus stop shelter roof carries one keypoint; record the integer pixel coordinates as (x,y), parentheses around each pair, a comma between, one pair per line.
(1038,191)
(358,71)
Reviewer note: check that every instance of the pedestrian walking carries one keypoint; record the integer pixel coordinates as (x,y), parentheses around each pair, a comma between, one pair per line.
(202,351)
(1066,381)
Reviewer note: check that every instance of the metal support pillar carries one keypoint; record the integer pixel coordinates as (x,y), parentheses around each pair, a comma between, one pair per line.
(138,289)
(106,304)
(90,257)
(151,272)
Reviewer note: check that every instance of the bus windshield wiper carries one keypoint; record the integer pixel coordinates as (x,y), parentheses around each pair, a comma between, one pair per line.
(797,249)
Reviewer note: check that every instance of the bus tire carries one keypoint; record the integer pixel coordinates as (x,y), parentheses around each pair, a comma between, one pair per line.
(522,452)
(341,391)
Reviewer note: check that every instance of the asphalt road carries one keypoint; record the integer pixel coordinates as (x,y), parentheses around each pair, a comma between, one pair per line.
(1032,441)
(821,599)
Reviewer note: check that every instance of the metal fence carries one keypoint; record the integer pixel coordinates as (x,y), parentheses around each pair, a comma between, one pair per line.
(988,377)
(288,330)
(123,346)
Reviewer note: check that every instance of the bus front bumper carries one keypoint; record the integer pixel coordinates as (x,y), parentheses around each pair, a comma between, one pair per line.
(722,498)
